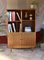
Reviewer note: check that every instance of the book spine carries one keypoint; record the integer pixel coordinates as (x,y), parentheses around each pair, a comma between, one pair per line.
(14,27)
(20,27)
(18,16)
(13,16)
(10,16)
(9,28)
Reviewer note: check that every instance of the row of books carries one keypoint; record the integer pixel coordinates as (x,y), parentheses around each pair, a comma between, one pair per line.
(12,16)
(13,28)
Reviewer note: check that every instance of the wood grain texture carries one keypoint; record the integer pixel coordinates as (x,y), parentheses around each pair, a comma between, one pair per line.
(21,40)
(14,39)
(28,39)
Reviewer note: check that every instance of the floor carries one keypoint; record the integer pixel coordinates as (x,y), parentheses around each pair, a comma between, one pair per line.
(21,54)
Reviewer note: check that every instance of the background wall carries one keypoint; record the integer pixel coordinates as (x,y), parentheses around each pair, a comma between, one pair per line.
(41,11)
(3,6)
(2,17)
(3,37)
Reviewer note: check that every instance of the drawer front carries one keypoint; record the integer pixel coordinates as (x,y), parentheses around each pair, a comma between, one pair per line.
(28,39)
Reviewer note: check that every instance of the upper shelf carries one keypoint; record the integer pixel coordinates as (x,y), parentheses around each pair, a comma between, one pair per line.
(24,14)
(13,21)
(22,21)
(18,9)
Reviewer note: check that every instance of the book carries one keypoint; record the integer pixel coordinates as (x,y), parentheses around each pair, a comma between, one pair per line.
(9,16)
(9,28)
(18,16)
(14,27)
(13,16)
(28,29)
(20,27)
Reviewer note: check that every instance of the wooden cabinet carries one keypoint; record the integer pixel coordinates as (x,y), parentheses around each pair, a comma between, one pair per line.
(21,29)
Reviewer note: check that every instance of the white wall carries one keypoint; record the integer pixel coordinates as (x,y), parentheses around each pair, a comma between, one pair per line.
(41,9)
(12,4)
